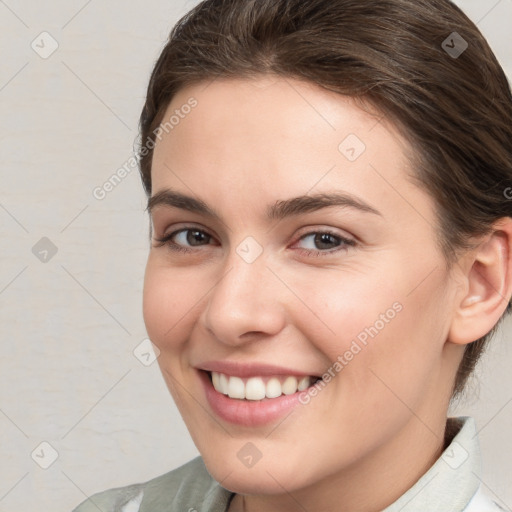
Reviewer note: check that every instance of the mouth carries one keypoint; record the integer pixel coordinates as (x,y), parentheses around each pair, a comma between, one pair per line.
(259,388)
(253,394)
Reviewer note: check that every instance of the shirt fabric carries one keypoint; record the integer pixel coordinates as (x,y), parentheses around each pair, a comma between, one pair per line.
(452,484)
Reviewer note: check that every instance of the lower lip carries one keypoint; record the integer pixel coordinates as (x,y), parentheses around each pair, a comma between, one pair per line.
(247,413)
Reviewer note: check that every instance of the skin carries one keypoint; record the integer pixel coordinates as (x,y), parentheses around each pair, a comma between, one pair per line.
(378,425)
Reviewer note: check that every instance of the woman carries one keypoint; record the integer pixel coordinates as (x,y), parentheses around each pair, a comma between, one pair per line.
(331,251)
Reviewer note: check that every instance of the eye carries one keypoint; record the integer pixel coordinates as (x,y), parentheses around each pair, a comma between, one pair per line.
(324,243)
(318,243)
(184,239)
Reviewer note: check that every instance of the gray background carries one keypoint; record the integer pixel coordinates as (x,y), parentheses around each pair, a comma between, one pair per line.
(70,325)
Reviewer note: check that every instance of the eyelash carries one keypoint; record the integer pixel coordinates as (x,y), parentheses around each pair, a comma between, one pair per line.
(345,243)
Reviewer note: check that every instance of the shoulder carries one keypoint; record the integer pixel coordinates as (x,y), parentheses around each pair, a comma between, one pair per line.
(481,502)
(188,487)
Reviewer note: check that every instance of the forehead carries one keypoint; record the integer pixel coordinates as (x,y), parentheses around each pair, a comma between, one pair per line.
(278,138)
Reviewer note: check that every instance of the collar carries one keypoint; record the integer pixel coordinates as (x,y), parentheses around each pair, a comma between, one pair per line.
(453,480)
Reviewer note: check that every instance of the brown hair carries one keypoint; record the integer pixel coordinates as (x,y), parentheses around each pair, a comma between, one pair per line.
(453,103)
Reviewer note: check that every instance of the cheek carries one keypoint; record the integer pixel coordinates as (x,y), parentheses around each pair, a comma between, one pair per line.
(167,304)
(373,326)
(401,362)
(167,312)
(346,306)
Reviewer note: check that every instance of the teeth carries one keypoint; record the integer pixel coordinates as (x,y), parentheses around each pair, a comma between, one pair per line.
(216,380)
(289,385)
(258,388)
(223,383)
(304,383)
(236,388)
(273,389)
(255,389)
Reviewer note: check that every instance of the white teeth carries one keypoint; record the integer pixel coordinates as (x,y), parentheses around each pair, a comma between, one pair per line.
(303,383)
(289,386)
(255,388)
(236,388)
(216,380)
(223,383)
(273,388)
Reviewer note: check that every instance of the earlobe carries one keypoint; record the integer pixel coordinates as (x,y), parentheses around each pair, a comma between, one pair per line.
(488,285)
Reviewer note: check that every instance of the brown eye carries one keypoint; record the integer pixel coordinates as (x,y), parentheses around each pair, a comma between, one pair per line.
(194,237)
(185,239)
(324,243)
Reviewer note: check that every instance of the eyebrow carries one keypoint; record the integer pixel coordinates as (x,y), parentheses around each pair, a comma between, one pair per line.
(277,211)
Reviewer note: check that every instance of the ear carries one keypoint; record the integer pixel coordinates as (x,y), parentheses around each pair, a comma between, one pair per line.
(487,285)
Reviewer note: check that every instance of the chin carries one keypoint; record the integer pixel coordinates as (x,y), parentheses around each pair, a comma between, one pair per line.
(263,478)
(247,481)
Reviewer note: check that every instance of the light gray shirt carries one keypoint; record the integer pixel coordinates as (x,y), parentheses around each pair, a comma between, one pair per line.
(452,484)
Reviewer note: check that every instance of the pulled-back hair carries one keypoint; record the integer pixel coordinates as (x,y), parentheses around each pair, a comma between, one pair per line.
(406,58)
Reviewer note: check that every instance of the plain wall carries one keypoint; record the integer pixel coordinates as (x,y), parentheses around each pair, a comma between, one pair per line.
(69,325)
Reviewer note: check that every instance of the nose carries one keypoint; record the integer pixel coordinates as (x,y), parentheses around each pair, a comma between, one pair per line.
(245,304)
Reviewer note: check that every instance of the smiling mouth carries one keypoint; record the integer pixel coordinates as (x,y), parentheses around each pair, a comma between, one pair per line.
(259,388)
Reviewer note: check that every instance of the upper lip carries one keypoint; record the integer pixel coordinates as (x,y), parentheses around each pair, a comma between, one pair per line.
(245,370)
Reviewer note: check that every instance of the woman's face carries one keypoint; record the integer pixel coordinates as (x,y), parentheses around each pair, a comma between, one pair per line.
(270,288)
